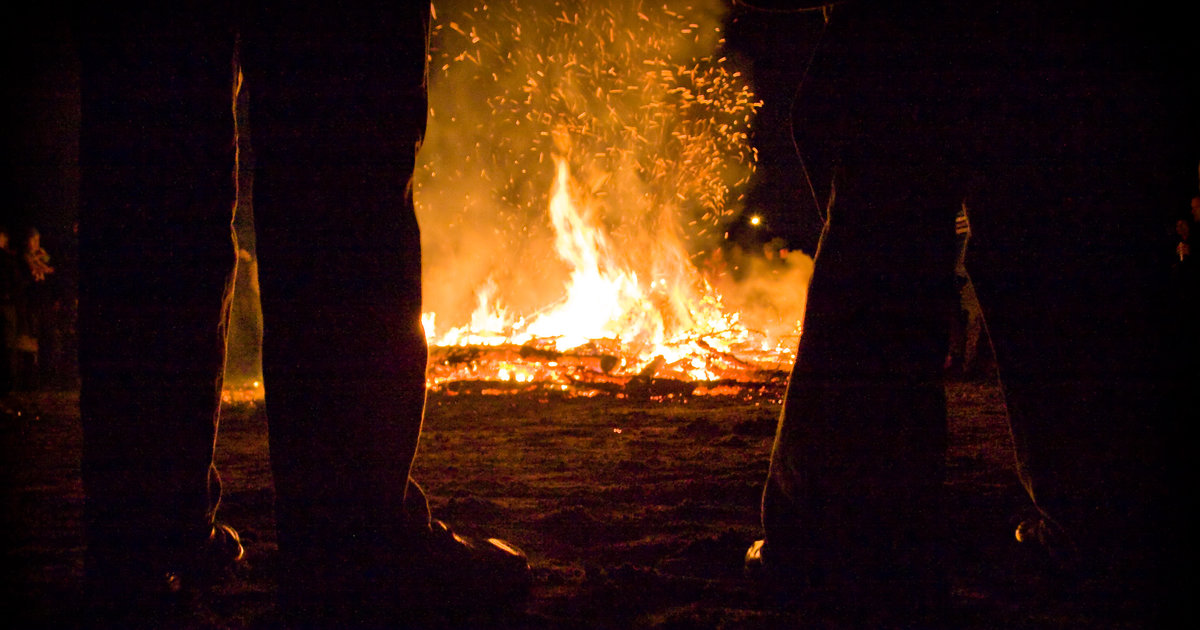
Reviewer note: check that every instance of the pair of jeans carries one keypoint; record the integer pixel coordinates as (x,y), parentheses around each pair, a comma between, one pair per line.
(338,100)
(1058,140)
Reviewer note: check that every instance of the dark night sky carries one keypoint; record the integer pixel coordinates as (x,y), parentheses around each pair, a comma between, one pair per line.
(40,141)
(41,177)
(1033,39)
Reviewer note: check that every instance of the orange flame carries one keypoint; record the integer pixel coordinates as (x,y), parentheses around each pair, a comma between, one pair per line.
(649,130)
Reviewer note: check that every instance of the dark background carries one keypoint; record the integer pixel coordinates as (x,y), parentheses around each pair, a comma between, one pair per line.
(41,128)
(40,132)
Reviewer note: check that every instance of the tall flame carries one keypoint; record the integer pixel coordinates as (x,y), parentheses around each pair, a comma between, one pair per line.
(604,299)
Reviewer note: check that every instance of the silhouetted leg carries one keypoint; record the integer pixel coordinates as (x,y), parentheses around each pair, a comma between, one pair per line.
(1071,265)
(157,260)
(1074,296)
(338,103)
(854,497)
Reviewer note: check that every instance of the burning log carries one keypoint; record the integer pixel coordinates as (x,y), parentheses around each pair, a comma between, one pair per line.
(591,368)
(650,370)
(500,368)
(499,388)
(579,358)
(700,341)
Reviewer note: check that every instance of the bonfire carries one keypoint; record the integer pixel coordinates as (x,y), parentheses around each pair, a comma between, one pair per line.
(580,168)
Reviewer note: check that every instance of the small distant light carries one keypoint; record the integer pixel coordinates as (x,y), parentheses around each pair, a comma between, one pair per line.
(755,220)
(616,430)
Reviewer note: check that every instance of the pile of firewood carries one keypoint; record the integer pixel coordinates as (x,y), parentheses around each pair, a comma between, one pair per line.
(591,369)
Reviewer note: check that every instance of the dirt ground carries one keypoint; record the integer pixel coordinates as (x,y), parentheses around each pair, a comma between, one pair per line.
(634,514)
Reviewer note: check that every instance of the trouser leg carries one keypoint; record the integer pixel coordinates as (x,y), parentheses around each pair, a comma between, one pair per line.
(854,493)
(1070,261)
(855,490)
(1081,335)
(338,108)
(157,260)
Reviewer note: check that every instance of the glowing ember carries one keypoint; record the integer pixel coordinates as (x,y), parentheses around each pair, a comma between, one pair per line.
(591,155)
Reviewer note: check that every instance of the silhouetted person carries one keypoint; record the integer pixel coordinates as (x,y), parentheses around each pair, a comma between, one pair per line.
(9,286)
(32,301)
(42,318)
(1051,120)
(339,100)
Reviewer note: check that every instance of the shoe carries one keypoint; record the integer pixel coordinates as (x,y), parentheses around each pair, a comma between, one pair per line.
(136,588)
(206,565)
(783,580)
(435,578)
(846,598)
(222,552)
(483,573)
(154,572)
(754,564)
(1050,542)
